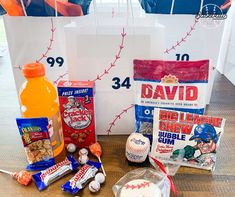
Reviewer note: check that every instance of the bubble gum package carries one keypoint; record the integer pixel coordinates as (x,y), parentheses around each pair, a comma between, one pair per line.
(192,137)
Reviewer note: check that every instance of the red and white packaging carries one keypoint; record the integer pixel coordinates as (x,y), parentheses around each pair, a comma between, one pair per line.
(76,100)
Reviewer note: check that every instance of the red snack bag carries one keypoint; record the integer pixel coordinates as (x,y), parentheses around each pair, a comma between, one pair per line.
(77,111)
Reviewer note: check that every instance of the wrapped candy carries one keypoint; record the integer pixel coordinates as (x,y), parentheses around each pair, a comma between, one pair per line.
(81,178)
(23,177)
(45,177)
(97,151)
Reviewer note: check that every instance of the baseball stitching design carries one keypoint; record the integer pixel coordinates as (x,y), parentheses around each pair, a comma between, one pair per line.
(60,77)
(183,39)
(50,44)
(138,186)
(117,57)
(118,117)
(44,55)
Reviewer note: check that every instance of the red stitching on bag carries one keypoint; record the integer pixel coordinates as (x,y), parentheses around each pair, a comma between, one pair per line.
(183,39)
(117,57)
(60,77)
(53,29)
(50,44)
(118,117)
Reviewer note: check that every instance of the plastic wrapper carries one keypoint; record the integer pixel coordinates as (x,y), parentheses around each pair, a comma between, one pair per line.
(36,141)
(176,85)
(143,181)
(186,139)
(46,177)
(81,178)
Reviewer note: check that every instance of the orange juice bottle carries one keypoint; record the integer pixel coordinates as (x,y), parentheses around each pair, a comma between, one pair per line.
(38,98)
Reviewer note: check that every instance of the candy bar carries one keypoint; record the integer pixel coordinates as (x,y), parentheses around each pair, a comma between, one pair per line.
(46,177)
(78,182)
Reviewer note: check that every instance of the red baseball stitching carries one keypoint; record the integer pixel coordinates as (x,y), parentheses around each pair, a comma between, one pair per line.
(60,77)
(118,117)
(113,64)
(138,186)
(183,39)
(117,57)
(50,44)
(48,47)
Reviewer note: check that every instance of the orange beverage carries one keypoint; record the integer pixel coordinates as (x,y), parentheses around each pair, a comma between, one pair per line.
(38,98)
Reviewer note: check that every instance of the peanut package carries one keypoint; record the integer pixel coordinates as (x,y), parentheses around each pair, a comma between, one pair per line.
(36,141)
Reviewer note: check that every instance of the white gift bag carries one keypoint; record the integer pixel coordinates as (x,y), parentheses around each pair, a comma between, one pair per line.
(40,39)
(101,47)
(188,37)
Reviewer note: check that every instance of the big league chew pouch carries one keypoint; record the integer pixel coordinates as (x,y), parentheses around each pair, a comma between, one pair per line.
(191,137)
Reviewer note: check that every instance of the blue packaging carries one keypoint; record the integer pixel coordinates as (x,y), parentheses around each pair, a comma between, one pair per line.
(44,178)
(36,141)
(80,179)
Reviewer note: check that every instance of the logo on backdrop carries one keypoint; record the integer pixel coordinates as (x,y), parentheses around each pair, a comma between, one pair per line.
(211,16)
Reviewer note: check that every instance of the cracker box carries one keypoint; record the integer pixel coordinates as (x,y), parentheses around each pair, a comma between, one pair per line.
(77,112)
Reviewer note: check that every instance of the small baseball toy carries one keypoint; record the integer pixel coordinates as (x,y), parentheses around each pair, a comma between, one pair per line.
(23,177)
(94,186)
(97,151)
(100,178)
(83,151)
(71,148)
(140,187)
(137,148)
(83,159)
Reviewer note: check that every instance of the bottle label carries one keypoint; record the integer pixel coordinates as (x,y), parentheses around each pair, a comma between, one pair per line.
(55,130)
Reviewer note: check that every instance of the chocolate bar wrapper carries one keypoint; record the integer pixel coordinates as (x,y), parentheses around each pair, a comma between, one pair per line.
(44,178)
(80,179)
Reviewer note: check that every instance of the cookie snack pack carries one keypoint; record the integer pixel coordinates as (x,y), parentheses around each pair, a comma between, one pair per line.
(142,182)
(177,85)
(36,141)
(192,137)
(77,111)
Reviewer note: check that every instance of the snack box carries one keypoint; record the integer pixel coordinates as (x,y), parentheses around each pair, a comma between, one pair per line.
(76,100)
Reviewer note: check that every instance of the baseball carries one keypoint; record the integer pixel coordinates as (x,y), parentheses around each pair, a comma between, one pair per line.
(139,188)
(83,151)
(94,186)
(71,148)
(83,159)
(100,178)
(137,148)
